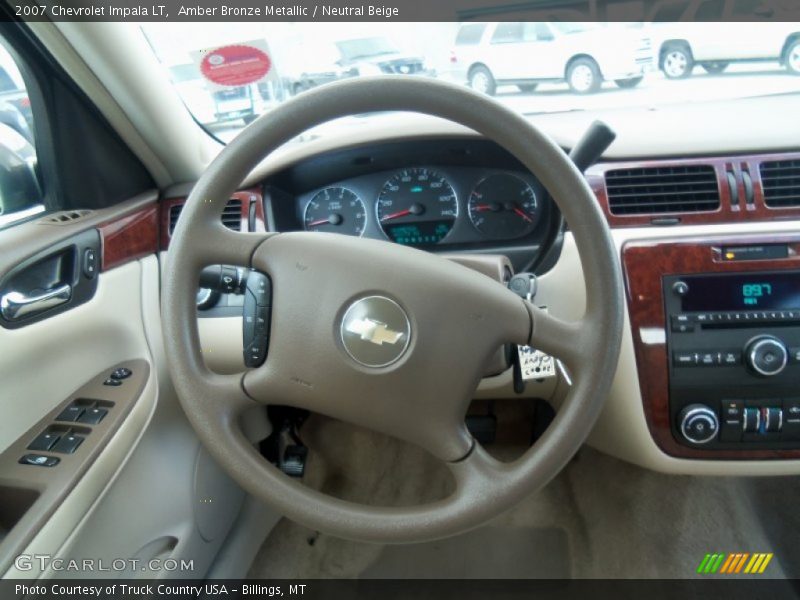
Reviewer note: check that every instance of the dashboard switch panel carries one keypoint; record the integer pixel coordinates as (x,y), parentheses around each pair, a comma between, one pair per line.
(732,338)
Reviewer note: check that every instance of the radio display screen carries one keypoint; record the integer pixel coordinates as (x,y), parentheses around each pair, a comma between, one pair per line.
(742,291)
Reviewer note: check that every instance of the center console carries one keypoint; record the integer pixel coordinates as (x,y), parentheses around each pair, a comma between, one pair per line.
(716,327)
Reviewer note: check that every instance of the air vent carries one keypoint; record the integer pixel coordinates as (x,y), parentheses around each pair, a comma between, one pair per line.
(655,190)
(231,216)
(67,216)
(781,182)
(174,213)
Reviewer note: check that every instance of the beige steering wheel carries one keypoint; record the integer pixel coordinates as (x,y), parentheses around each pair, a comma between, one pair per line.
(446,321)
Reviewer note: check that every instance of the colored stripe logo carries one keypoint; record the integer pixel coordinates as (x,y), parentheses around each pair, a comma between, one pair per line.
(734,563)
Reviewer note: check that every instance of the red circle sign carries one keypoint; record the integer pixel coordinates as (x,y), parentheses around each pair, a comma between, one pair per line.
(235,65)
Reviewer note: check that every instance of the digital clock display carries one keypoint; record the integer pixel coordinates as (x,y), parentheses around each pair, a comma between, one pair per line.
(742,291)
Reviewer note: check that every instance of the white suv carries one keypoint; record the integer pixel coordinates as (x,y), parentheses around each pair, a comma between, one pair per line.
(488,55)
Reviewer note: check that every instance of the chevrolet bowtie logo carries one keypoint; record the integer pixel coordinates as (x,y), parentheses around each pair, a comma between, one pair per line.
(373,331)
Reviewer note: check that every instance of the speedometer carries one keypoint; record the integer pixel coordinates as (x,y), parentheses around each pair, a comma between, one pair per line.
(417,207)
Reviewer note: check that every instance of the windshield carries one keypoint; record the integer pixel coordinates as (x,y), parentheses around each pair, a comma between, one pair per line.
(227,74)
(365,47)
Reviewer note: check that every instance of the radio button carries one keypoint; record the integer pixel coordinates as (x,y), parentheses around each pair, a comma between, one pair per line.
(682,324)
(766,355)
(730,358)
(708,359)
(794,354)
(684,359)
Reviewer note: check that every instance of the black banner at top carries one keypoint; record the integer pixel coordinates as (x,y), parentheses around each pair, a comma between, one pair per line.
(404,10)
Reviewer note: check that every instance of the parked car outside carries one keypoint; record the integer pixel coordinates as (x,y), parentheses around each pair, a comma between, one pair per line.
(714,46)
(344,58)
(218,105)
(489,55)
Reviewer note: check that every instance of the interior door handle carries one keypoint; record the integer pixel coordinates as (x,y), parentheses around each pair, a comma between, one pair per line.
(15,305)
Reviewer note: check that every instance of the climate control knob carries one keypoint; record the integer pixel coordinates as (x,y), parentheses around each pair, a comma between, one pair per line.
(698,423)
(766,355)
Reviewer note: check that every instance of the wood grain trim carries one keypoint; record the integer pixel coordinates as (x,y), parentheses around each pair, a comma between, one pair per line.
(247,198)
(727,213)
(645,263)
(130,237)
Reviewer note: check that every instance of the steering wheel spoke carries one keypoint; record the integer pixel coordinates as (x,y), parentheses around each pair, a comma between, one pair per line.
(564,340)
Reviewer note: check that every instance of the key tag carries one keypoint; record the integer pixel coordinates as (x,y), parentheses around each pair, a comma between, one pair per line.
(535,364)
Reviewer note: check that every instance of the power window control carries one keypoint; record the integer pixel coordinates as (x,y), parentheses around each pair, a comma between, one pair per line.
(70,414)
(93,416)
(121,373)
(39,460)
(67,444)
(44,441)
(112,382)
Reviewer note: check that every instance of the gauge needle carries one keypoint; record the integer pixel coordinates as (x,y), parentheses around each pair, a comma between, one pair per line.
(522,214)
(319,222)
(482,207)
(396,215)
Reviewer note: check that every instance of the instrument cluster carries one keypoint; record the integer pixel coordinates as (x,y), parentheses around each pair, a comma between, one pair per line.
(426,206)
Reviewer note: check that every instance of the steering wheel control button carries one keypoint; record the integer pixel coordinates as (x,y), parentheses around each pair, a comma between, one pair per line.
(767,355)
(67,444)
(92,416)
(121,373)
(698,424)
(70,414)
(39,460)
(256,318)
(375,331)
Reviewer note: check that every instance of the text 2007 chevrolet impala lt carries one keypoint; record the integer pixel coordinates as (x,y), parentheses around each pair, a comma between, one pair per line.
(289,301)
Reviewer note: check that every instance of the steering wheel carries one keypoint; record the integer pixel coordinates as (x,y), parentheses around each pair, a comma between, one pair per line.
(384,336)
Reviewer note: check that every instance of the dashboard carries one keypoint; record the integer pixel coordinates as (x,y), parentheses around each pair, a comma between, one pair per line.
(440,196)
(672,219)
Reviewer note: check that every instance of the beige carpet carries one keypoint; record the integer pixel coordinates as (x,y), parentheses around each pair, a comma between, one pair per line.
(600,518)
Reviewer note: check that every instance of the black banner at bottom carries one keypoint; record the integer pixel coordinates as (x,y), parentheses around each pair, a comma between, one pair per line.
(417,589)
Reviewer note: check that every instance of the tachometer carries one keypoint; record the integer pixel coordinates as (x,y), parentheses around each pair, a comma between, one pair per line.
(335,210)
(417,207)
(503,206)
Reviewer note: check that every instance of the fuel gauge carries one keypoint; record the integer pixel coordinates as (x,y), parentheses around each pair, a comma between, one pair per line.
(503,206)
(335,210)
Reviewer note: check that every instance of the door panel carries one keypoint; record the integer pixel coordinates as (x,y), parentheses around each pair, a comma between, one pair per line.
(110,510)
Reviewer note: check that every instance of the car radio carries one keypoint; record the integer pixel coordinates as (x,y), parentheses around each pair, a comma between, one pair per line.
(734,349)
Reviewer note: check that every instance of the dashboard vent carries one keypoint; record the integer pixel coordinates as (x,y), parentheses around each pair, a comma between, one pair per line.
(781,182)
(231,215)
(653,190)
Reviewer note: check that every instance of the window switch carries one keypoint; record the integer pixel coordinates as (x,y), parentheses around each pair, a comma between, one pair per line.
(71,414)
(67,444)
(39,460)
(44,441)
(92,416)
